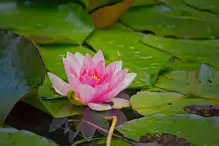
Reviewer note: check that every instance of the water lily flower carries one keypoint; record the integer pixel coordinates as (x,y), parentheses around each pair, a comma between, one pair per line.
(93,83)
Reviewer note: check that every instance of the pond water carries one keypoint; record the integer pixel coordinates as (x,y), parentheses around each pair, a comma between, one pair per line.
(26,117)
(154,62)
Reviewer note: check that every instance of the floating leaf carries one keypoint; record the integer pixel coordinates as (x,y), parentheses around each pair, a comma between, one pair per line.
(165,21)
(109,15)
(120,43)
(21,70)
(202,83)
(14,137)
(46,99)
(63,23)
(189,50)
(209,5)
(195,129)
(170,103)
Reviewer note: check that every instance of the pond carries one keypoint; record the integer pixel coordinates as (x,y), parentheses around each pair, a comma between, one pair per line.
(110,72)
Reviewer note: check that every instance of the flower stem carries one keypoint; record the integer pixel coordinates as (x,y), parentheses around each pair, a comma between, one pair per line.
(112,128)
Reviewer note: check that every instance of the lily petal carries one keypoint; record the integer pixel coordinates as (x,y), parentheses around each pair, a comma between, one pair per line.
(118,66)
(118,78)
(101,90)
(99,107)
(98,57)
(86,93)
(74,82)
(58,84)
(80,57)
(119,103)
(128,79)
(74,63)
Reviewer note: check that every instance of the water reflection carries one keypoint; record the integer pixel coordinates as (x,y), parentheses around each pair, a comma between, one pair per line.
(88,125)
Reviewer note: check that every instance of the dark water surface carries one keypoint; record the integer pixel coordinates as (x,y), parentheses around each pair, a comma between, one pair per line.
(26,117)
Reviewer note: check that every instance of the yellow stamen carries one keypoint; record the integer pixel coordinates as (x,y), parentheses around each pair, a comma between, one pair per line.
(96,78)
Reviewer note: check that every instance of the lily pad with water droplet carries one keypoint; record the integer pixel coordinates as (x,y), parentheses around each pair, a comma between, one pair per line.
(14,137)
(198,51)
(21,70)
(49,23)
(169,22)
(169,103)
(195,129)
(120,43)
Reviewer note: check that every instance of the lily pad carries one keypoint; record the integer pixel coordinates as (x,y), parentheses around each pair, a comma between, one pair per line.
(209,5)
(195,129)
(21,70)
(145,2)
(120,43)
(202,83)
(169,22)
(46,99)
(183,8)
(11,136)
(199,51)
(53,23)
(169,103)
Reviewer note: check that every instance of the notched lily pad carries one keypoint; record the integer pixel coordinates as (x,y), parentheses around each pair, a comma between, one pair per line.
(203,110)
(187,50)
(170,103)
(121,43)
(202,83)
(195,129)
(54,23)
(169,22)
(165,139)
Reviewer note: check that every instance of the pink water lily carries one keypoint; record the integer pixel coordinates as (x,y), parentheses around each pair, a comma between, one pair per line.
(95,84)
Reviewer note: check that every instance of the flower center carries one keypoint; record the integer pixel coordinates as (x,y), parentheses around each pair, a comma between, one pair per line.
(96,78)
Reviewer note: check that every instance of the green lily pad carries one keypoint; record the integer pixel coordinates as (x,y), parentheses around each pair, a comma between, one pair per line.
(195,129)
(145,2)
(14,137)
(120,43)
(53,23)
(165,21)
(169,103)
(210,5)
(183,8)
(202,83)
(200,51)
(21,70)
(46,99)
